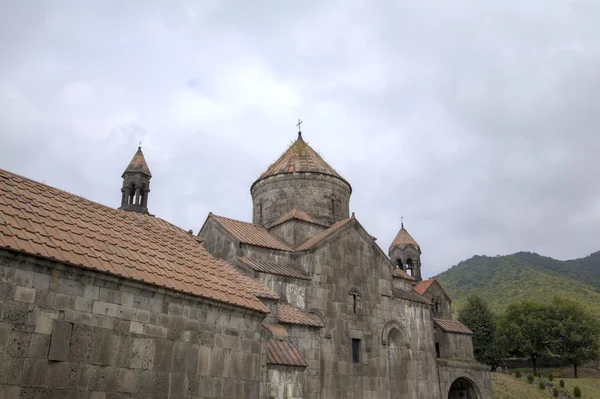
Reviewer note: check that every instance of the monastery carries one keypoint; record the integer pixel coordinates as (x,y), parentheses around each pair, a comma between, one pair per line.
(104,303)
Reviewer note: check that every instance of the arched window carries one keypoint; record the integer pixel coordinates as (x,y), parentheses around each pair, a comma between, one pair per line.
(132,194)
(354,301)
(333,206)
(410,266)
(399,264)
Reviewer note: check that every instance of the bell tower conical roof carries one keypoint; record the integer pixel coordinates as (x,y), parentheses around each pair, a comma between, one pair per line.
(138,164)
(403,238)
(299,158)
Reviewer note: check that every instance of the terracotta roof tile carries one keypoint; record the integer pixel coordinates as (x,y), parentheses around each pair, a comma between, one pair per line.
(452,326)
(300,157)
(283,352)
(292,315)
(402,274)
(403,239)
(277,330)
(138,164)
(424,285)
(409,296)
(314,240)
(295,214)
(252,234)
(127,244)
(273,268)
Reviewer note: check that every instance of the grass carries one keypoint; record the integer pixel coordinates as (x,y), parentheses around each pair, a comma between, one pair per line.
(509,387)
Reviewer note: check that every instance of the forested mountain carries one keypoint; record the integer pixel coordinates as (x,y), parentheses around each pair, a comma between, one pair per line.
(502,280)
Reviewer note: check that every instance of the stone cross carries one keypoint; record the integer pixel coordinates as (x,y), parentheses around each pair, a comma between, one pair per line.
(298,124)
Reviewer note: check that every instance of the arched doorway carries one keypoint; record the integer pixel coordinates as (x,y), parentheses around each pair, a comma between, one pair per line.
(463,388)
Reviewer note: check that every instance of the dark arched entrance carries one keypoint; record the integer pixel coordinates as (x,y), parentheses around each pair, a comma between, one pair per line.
(463,388)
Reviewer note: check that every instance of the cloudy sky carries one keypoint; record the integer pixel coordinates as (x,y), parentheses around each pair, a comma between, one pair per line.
(477,121)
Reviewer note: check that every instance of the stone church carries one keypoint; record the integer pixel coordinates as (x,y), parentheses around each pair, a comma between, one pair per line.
(104,303)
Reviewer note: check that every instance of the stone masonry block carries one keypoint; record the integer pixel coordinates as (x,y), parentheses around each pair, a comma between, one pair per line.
(105,308)
(91,292)
(126,380)
(44,321)
(60,343)
(41,281)
(10,392)
(25,294)
(62,301)
(127,299)
(142,353)
(18,344)
(23,277)
(39,346)
(5,330)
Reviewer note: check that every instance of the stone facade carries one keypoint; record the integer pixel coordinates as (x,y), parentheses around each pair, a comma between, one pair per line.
(69,333)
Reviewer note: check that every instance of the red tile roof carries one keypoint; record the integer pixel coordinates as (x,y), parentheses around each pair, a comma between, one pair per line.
(138,164)
(424,285)
(452,326)
(300,157)
(403,239)
(282,351)
(314,240)
(294,214)
(409,296)
(273,268)
(292,315)
(402,274)
(252,234)
(43,221)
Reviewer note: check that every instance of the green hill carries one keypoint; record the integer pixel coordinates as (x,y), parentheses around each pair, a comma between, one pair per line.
(502,280)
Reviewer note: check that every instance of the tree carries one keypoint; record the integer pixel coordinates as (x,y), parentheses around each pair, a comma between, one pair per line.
(476,315)
(575,332)
(526,329)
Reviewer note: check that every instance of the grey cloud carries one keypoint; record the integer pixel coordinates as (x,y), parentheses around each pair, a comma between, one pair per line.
(476,121)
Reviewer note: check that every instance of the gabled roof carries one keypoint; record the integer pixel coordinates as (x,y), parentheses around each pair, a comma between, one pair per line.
(252,285)
(314,240)
(403,239)
(249,233)
(273,268)
(300,157)
(282,351)
(423,286)
(138,164)
(295,214)
(452,326)
(45,222)
(291,315)
(409,296)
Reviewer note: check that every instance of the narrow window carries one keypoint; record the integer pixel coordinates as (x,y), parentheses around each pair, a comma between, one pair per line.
(333,206)
(354,300)
(409,266)
(437,349)
(260,210)
(355,350)
(399,264)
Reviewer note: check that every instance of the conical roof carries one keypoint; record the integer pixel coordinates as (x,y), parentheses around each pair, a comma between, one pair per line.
(403,239)
(300,157)
(138,164)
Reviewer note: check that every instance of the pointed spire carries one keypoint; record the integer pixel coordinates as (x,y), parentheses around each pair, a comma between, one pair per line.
(138,164)
(403,239)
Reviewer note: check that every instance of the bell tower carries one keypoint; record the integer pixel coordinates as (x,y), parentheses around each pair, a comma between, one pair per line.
(405,253)
(136,184)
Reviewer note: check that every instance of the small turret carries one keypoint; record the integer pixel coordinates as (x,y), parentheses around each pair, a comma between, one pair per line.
(405,253)
(136,184)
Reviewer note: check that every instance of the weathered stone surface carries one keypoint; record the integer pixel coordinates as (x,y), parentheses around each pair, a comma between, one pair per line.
(60,343)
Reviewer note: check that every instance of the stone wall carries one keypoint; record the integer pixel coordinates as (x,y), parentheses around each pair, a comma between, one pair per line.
(71,333)
(453,345)
(218,242)
(285,382)
(308,192)
(295,232)
(352,263)
(443,309)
